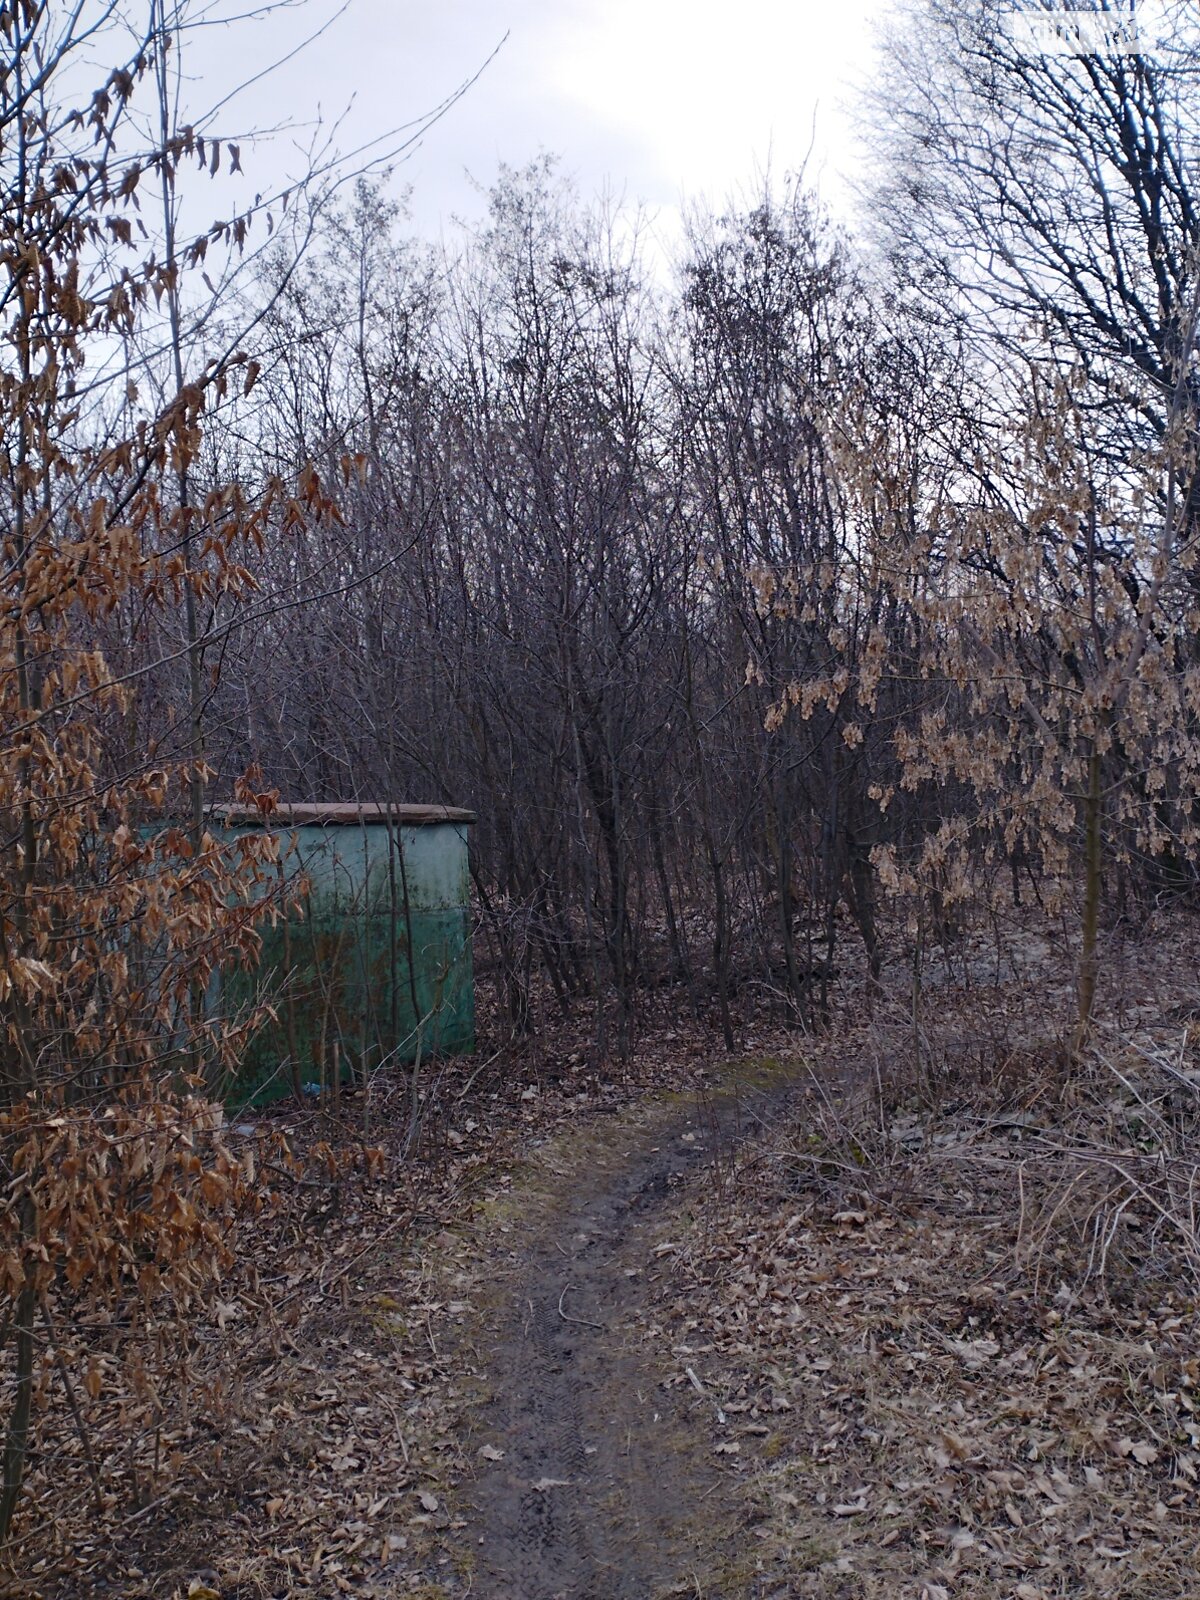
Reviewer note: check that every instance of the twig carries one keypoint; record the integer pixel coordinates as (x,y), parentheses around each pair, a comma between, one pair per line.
(402,1221)
(582,1321)
(396,1424)
(73,1403)
(483,1065)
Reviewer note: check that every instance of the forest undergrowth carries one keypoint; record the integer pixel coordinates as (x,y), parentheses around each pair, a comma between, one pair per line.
(943,1330)
(303,1440)
(934,1329)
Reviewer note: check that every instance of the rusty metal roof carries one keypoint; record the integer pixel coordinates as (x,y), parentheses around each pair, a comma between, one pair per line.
(338,814)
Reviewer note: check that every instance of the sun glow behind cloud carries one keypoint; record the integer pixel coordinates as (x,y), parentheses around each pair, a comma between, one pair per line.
(653,100)
(707,93)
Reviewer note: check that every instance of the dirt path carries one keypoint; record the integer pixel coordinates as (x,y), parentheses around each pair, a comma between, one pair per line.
(605,1489)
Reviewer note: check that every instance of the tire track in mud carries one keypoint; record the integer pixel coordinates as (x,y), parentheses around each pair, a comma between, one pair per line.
(606,1489)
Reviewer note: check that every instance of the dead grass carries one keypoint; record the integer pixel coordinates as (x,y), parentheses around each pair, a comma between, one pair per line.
(902,1417)
(945,1325)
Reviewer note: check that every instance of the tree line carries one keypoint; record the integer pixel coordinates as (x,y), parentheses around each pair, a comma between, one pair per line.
(744,597)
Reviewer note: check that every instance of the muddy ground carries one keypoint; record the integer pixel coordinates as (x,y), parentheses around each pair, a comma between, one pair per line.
(594,1480)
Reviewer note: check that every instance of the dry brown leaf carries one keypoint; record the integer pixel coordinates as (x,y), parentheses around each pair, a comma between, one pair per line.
(1144,1453)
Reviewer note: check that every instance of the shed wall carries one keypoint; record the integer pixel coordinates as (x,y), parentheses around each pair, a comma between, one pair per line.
(349,980)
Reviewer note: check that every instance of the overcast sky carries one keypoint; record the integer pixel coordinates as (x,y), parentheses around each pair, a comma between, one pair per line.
(654,100)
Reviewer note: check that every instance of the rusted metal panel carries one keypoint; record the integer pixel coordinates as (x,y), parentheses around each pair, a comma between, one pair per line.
(338,813)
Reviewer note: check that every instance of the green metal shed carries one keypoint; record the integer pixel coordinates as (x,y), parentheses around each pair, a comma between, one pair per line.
(379,964)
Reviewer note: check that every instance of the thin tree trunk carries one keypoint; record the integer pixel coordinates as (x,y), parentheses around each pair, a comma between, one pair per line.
(16,1440)
(720,939)
(1093,840)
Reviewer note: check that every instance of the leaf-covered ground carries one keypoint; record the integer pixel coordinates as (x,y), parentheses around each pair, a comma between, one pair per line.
(905,1420)
(319,1443)
(941,1328)
(909,1313)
